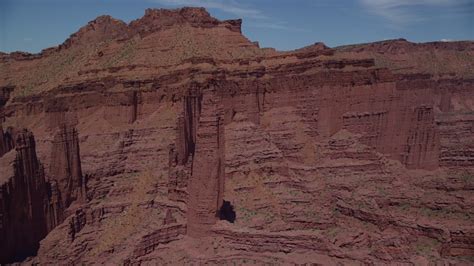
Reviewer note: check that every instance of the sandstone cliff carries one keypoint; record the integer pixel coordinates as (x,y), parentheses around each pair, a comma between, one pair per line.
(24,201)
(359,154)
(66,166)
(31,203)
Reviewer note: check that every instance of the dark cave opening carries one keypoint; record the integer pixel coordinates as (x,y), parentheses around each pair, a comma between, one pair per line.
(19,254)
(226,212)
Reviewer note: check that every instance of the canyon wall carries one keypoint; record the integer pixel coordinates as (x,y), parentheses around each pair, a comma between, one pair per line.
(24,202)
(33,204)
(149,130)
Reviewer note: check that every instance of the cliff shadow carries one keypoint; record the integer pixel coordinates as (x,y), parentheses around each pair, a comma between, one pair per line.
(226,212)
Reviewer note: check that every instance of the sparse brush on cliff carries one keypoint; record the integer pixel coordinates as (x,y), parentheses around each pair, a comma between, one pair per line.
(426,245)
(467,177)
(124,56)
(125,225)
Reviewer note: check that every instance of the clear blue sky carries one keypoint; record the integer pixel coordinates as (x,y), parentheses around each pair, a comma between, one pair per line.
(32,25)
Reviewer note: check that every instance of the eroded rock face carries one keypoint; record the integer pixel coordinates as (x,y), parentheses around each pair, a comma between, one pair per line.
(24,203)
(356,154)
(6,142)
(31,203)
(206,184)
(65,167)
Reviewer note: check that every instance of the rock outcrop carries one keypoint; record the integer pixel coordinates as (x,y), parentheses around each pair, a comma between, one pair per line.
(65,167)
(32,204)
(24,202)
(206,184)
(6,140)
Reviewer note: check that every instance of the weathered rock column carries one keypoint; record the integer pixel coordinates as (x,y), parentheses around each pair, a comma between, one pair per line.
(65,167)
(182,152)
(206,185)
(24,203)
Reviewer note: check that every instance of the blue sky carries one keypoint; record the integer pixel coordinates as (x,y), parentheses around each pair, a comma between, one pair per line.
(32,25)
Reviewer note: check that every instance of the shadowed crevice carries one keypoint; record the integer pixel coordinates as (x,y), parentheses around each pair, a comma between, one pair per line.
(226,212)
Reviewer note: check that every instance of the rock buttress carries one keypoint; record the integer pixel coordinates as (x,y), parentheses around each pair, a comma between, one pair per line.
(206,185)
(188,125)
(65,168)
(182,152)
(24,204)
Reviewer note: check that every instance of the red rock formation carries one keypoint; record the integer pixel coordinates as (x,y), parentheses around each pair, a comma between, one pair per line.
(206,184)
(160,19)
(3,142)
(31,206)
(461,244)
(65,167)
(182,152)
(169,219)
(357,154)
(6,140)
(101,29)
(178,175)
(160,237)
(9,137)
(5,92)
(76,223)
(188,125)
(24,203)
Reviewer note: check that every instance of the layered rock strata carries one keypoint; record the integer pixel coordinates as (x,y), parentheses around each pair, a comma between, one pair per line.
(65,168)
(206,184)
(32,203)
(354,155)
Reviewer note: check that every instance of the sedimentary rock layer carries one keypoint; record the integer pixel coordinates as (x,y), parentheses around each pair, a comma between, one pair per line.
(206,184)
(65,168)
(355,154)
(31,203)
